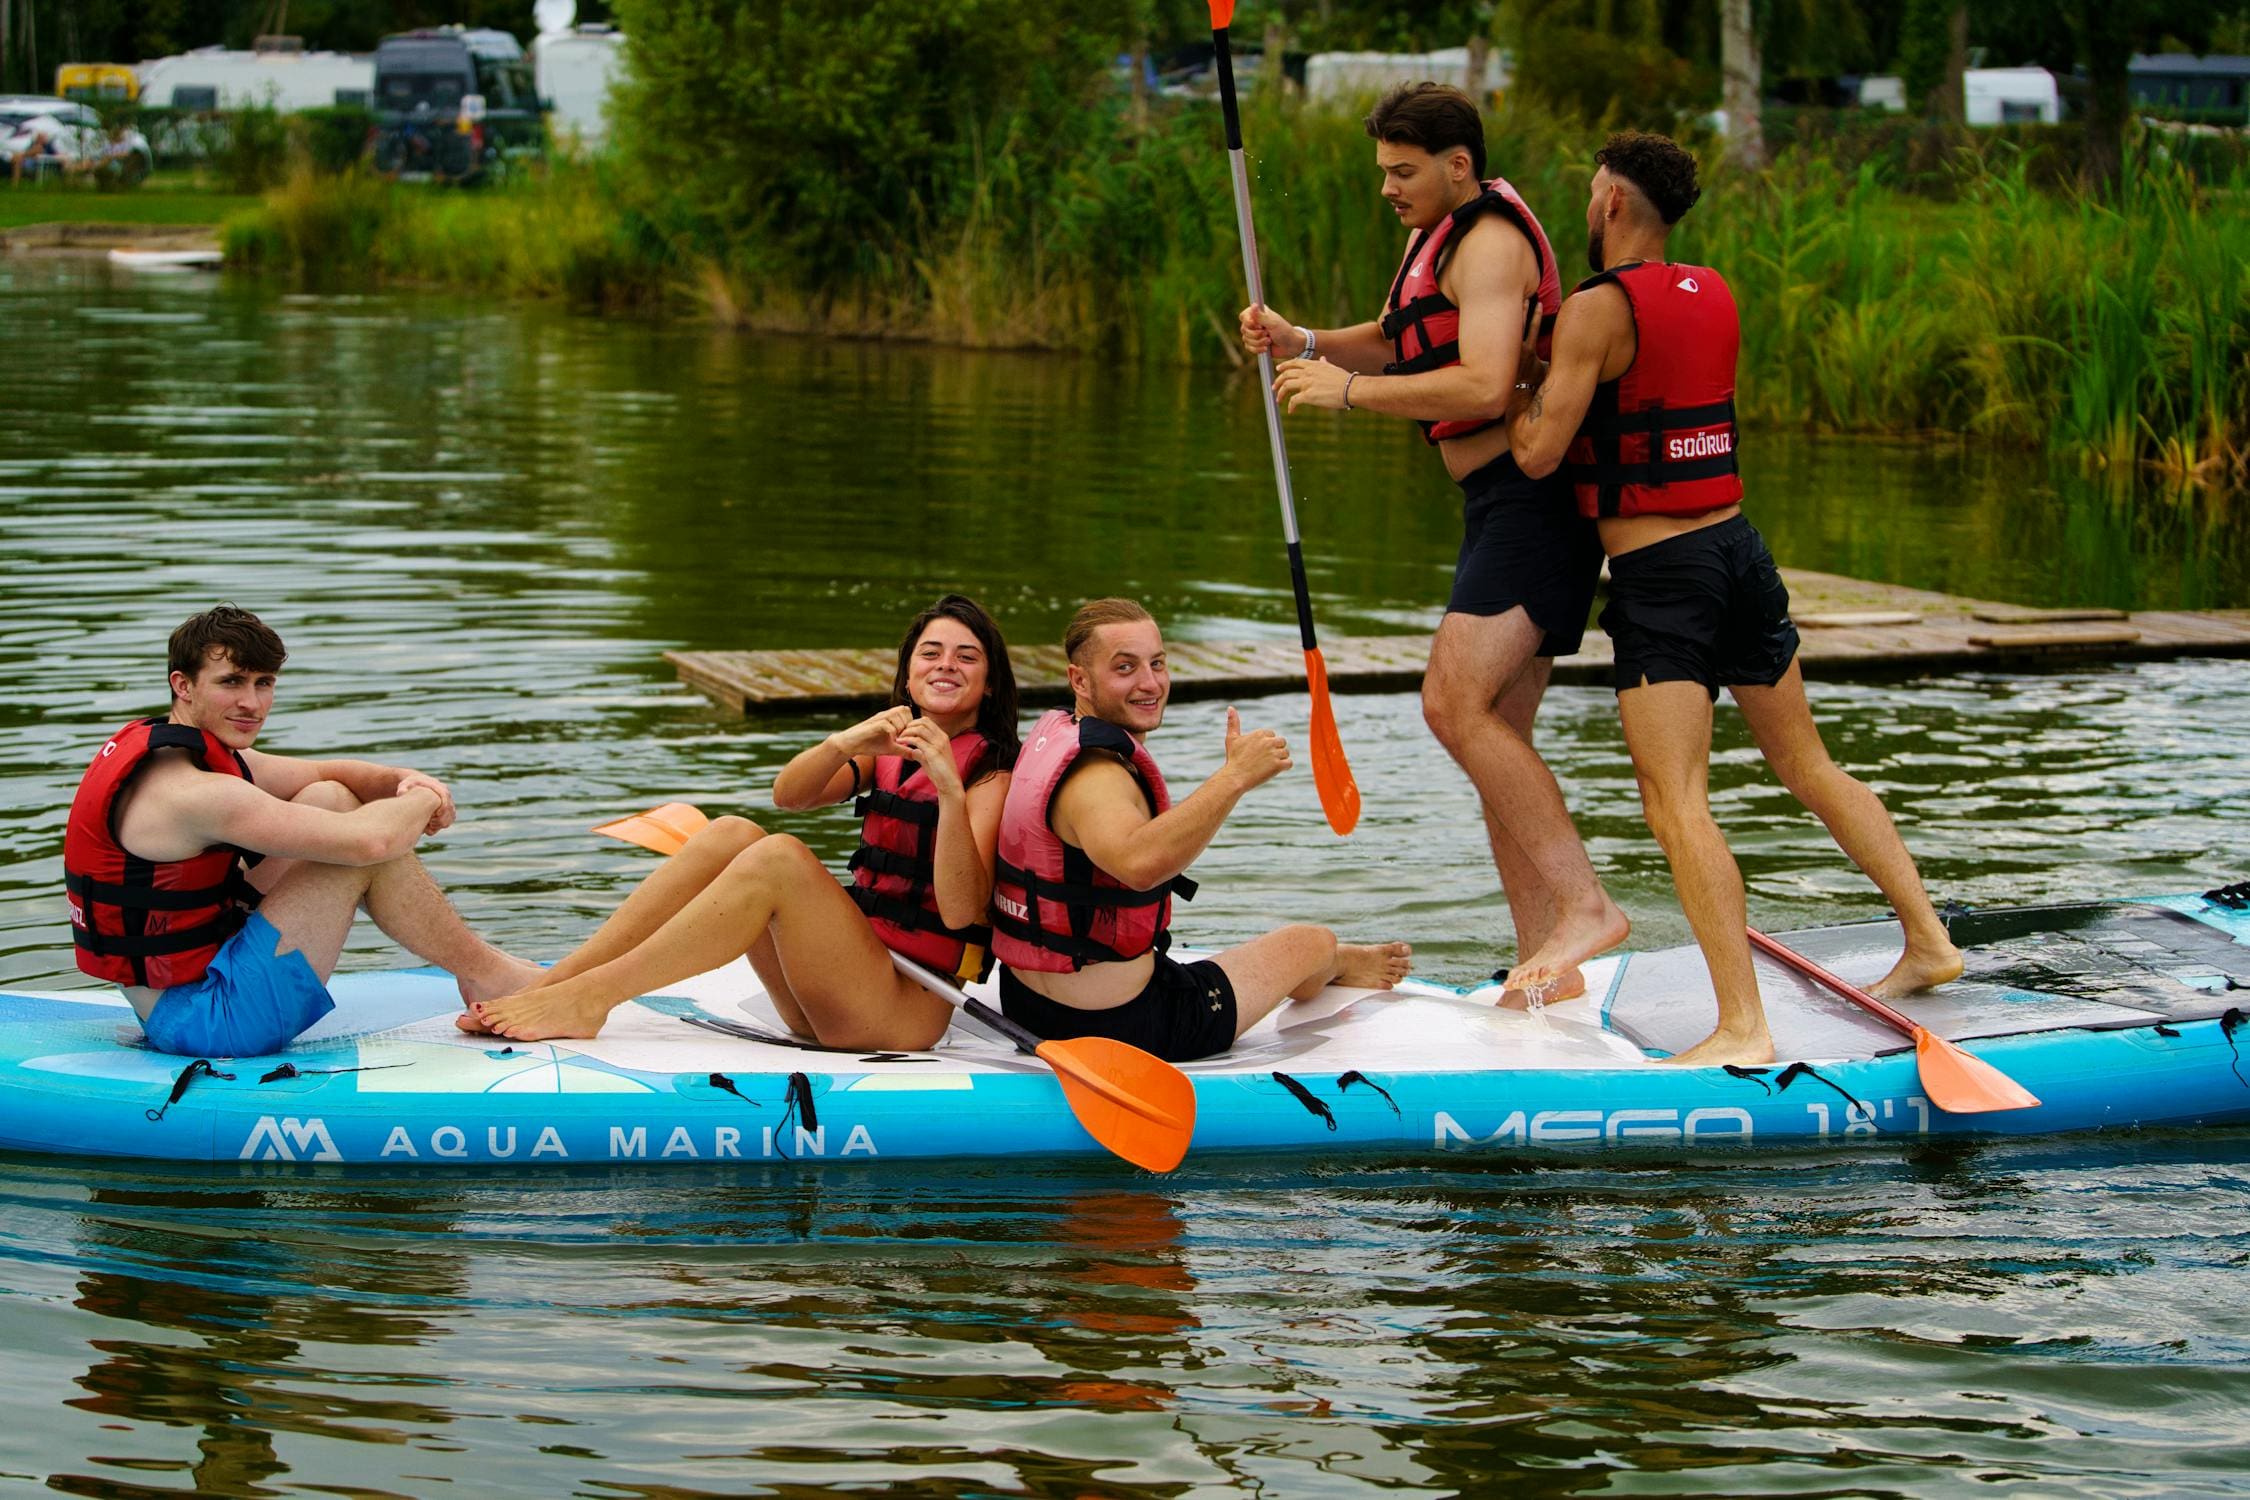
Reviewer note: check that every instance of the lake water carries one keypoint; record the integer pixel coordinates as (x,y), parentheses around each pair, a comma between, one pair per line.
(479,526)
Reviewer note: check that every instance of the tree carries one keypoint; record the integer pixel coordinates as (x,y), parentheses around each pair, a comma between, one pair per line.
(1742,74)
(1932,55)
(2109,33)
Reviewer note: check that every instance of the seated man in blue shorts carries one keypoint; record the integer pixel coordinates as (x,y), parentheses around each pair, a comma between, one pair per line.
(215,884)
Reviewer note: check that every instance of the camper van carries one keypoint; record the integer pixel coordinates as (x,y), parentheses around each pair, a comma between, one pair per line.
(213,78)
(2010,96)
(453,103)
(574,70)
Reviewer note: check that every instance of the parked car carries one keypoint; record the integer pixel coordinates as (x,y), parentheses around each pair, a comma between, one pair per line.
(454,104)
(43,136)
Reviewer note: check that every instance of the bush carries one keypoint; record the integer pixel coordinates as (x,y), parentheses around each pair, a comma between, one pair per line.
(335,138)
(250,151)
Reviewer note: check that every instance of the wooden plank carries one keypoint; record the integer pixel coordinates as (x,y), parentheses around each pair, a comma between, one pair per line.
(1924,632)
(1852,619)
(2017,640)
(2011,614)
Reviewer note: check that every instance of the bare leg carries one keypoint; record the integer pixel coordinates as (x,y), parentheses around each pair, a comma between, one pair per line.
(659,898)
(313,905)
(1668,731)
(1534,911)
(1474,662)
(842,976)
(1782,723)
(1298,962)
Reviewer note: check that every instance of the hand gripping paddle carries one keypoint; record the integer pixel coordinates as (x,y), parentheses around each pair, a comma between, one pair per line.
(1332,773)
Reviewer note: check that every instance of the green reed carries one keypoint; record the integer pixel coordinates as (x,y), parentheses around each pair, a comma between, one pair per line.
(2119,332)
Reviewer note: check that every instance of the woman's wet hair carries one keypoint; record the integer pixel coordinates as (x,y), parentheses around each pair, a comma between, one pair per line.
(996,715)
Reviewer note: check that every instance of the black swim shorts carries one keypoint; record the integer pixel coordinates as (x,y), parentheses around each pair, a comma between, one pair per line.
(1186,1011)
(1705,606)
(1523,542)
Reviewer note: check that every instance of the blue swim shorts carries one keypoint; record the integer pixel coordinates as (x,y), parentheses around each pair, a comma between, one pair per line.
(250,1002)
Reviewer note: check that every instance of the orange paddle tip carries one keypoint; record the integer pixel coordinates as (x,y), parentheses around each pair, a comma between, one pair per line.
(1222,14)
(1332,773)
(1962,1083)
(664,829)
(1134,1103)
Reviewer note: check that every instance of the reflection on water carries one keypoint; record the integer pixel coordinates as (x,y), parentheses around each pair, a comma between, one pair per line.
(478,528)
(1909,1320)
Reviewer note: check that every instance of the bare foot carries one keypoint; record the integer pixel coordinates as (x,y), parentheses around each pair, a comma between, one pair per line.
(502,974)
(561,1010)
(1727,1048)
(1372,966)
(1515,997)
(1575,938)
(1918,969)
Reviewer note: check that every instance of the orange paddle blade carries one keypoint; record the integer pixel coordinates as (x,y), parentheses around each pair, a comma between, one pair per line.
(1962,1083)
(1133,1102)
(1222,14)
(665,829)
(1331,773)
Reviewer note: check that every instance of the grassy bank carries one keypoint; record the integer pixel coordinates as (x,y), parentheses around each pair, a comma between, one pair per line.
(2118,331)
(166,198)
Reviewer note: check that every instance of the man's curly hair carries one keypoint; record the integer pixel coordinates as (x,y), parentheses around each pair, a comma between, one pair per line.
(1657,165)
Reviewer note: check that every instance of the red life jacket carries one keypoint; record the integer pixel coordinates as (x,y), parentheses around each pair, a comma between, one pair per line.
(1424,325)
(1660,439)
(136,921)
(1052,910)
(894,876)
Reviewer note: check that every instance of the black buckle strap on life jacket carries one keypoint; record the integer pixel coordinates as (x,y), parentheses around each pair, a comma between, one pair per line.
(155,945)
(1399,319)
(893,805)
(914,918)
(1607,427)
(890,862)
(1082,899)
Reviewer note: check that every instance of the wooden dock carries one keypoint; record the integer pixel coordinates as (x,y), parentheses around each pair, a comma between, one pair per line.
(1850,628)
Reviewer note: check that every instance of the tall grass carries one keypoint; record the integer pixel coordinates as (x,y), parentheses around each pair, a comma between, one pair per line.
(2004,308)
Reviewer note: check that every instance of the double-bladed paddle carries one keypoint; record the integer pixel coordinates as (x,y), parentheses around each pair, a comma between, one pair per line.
(1332,773)
(1957,1080)
(1134,1103)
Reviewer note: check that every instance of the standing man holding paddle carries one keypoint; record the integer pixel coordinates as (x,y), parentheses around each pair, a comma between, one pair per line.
(1639,403)
(1477,273)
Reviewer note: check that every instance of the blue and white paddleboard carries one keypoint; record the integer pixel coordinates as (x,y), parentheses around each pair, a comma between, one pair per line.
(2115,1014)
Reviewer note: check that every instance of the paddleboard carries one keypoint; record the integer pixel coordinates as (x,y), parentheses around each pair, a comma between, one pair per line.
(2115,1014)
(166,260)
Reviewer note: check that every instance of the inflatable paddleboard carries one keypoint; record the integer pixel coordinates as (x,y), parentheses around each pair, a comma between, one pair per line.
(2114,1014)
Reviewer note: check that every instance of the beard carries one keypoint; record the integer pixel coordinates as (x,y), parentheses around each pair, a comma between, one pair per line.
(1594,252)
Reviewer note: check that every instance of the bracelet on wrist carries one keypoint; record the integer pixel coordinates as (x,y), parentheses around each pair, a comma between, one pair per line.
(1348,379)
(1312,341)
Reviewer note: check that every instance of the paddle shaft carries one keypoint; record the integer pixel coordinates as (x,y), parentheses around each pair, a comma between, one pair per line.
(1840,985)
(1249,235)
(1022,1040)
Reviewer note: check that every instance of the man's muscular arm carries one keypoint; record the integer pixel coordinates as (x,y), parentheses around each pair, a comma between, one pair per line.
(285,776)
(1594,332)
(1100,809)
(1493,278)
(179,810)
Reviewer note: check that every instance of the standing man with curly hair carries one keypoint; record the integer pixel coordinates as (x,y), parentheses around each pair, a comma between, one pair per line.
(1639,405)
